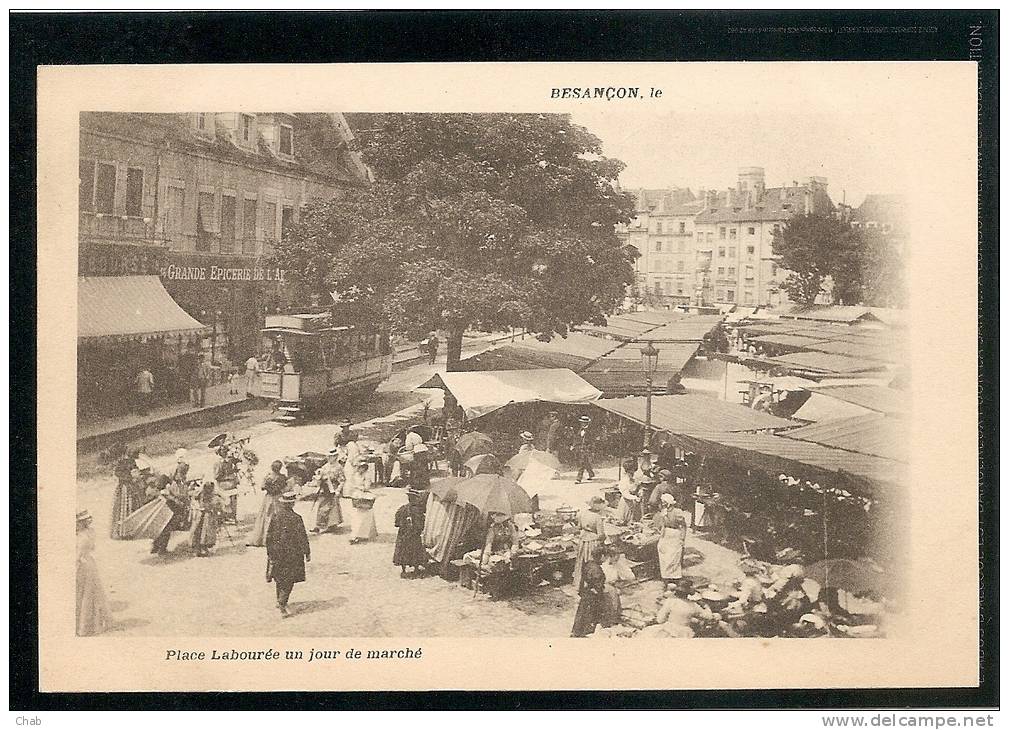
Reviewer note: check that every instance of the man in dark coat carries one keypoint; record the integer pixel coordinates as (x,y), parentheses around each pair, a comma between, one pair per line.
(554,432)
(583,449)
(287,550)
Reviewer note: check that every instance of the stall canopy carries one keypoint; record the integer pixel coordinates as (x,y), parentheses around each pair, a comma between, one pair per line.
(823,408)
(873,397)
(871,433)
(860,473)
(129,308)
(480,393)
(692,413)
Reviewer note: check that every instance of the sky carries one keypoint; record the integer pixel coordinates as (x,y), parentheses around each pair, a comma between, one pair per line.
(662,149)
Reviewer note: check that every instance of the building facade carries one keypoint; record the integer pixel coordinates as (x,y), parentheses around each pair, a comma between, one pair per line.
(199,200)
(714,248)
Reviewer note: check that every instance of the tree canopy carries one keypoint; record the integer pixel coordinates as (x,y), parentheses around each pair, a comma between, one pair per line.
(862,267)
(475,220)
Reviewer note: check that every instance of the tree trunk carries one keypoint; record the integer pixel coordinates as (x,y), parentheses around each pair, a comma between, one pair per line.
(453,345)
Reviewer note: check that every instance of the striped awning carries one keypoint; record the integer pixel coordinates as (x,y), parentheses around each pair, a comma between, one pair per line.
(129,308)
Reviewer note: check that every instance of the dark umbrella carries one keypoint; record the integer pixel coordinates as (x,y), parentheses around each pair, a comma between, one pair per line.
(852,576)
(487,492)
(484,464)
(472,444)
(218,440)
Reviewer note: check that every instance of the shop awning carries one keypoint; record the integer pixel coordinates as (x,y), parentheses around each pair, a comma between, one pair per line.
(690,413)
(129,308)
(823,408)
(870,433)
(480,393)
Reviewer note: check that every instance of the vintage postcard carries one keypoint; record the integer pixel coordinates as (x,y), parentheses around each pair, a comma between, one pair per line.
(508,376)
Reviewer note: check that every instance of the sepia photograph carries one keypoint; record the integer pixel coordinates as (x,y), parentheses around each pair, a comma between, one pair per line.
(486,381)
(372,375)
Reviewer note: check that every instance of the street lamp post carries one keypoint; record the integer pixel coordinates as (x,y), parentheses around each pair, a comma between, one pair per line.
(649,362)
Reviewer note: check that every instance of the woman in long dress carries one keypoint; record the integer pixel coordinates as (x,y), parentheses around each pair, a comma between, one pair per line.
(617,573)
(328,480)
(206,518)
(274,485)
(629,509)
(123,502)
(671,524)
(362,501)
(591,586)
(409,551)
(591,534)
(93,615)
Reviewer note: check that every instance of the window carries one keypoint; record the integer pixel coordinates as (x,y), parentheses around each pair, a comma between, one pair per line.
(249,226)
(711,235)
(228,213)
(732,252)
(287,220)
(720,294)
(286,139)
(658,227)
(86,184)
(679,265)
(748,297)
(721,232)
(669,287)
(658,246)
(245,127)
(174,209)
(205,218)
(732,271)
(683,227)
(679,290)
(270,220)
(658,287)
(750,250)
(721,271)
(750,231)
(134,191)
(732,233)
(201,121)
(105,188)
(749,272)
(730,295)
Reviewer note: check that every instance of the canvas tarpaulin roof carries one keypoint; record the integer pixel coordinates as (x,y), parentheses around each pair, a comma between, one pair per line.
(481,392)
(129,307)
(691,412)
(871,433)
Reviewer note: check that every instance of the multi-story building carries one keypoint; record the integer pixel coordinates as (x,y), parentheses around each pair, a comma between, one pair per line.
(885,215)
(727,237)
(198,200)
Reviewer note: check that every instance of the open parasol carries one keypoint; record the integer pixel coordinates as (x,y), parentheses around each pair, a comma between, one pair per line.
(520,462)
(218,440)
(473,444)
(487,492)
(484,464)
(852,576)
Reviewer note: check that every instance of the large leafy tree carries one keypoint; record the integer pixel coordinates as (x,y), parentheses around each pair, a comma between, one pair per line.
(489,220)
(811,248)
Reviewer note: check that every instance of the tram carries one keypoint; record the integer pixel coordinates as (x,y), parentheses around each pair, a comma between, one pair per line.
(316,359)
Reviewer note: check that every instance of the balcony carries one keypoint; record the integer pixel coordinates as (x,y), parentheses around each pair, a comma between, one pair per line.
(110,228)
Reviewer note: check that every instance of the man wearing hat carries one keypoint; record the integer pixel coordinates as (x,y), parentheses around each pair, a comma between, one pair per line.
(328,480)
(287,550)
(527,441)
(554,431)
(584,440)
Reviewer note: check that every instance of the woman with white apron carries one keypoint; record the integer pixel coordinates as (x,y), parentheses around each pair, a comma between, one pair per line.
(362,501)
(591,534)
(671,524)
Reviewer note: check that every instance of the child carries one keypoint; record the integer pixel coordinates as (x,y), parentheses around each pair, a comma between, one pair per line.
(233,382)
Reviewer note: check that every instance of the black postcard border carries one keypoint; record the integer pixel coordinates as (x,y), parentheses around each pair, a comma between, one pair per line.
(404,36)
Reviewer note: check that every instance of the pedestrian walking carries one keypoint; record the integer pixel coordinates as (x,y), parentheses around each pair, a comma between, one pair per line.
(591,533)
(201,378)
(432,348)
(226,475)
(251,375)
(287,550)
(144,383)
(206,519)
(328,480)
(274,485)
(591,591)
(554,432)
(409,551)
(233,382)
(583,446)
(93,615)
